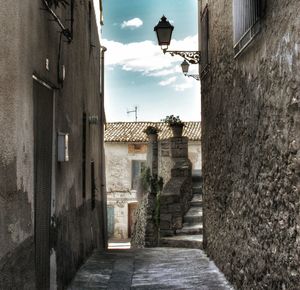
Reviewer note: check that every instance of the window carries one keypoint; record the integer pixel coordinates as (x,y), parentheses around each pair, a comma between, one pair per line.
(137,148)
(246,21)
(204,42)
(137,167)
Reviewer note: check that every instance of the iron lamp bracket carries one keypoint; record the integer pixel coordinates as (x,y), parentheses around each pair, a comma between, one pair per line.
(193,57)
(196,77)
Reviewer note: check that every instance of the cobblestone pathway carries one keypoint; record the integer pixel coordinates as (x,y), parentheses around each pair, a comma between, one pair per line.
(156,268)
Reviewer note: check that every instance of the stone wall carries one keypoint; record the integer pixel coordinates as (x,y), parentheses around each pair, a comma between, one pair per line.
(152,154)
(174,198)
(164,160)
(145,232)
(177,192)
(250,149)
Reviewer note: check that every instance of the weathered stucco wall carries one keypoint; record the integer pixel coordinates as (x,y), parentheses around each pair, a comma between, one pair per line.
(250,146)
(28,37)
(118,162)
(195,154)
(120,194)
(120,201)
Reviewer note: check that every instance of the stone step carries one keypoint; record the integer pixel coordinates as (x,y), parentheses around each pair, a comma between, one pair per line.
(197,197)
(188,241)
(187,229)
(196,203)
(196,200)
(197,189)
(194,215)
(197,178)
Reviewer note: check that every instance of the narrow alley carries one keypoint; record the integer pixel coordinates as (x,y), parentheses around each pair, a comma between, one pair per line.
(150,144)
(152,268)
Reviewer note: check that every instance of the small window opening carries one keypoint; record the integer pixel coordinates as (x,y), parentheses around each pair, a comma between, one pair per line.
(246,21)
(137,168)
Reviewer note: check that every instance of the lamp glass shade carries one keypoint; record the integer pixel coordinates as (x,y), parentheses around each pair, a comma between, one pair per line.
(185,67)
(164,31)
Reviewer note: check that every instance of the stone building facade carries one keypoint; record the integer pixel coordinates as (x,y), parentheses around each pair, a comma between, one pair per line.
(52,198)
(250,86)
(126,147)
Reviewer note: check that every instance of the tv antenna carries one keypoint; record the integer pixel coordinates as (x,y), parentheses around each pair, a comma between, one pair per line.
(133,111)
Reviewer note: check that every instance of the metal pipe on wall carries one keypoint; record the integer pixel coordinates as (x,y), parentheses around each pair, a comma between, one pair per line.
(103,122)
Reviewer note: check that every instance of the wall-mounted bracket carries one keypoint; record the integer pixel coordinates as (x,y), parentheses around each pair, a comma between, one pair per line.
(193,57)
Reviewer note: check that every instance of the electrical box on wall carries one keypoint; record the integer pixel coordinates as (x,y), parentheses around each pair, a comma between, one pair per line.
(62,147)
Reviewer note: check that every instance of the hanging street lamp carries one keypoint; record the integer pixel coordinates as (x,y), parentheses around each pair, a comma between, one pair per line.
(164,30)
(185,69)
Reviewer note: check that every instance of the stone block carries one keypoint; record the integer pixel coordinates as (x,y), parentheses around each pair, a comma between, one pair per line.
(169,199)
(176,207)
(177,222)
(166,232)
(179,153)
(165,217)
(165,225)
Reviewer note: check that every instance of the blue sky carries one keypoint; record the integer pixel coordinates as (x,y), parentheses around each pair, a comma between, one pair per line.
(137,72)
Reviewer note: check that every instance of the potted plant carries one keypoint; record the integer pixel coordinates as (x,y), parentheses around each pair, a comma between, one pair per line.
(175,124)
(151,132)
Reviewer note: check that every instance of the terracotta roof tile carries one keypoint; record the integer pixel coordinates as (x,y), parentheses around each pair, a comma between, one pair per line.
(133,131)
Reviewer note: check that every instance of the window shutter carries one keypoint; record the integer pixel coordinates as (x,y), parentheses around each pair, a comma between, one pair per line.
(246,21)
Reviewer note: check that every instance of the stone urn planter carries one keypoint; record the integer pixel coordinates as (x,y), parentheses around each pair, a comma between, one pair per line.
(175,124)
(177,130)
(152,133)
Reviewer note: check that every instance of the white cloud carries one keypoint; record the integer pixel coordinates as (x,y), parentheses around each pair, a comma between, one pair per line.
(165,72)
(147,58)
(186,84)
(132,23)
(167,81)
(144,57)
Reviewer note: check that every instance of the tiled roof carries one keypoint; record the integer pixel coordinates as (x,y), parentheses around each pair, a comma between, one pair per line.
(133,131)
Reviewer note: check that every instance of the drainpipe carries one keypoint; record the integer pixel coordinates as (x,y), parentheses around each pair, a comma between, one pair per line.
(103,123)
(200,9)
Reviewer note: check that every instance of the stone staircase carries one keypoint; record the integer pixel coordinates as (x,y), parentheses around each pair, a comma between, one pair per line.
(191,234)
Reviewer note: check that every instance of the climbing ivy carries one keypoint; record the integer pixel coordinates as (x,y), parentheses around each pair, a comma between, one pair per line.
(146,178)
(153,184)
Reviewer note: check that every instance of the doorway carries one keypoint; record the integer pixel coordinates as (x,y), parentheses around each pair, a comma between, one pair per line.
(43,152)
(110,221)
(131,217)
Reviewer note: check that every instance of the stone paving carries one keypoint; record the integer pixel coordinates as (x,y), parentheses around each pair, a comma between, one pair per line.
(154,268)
